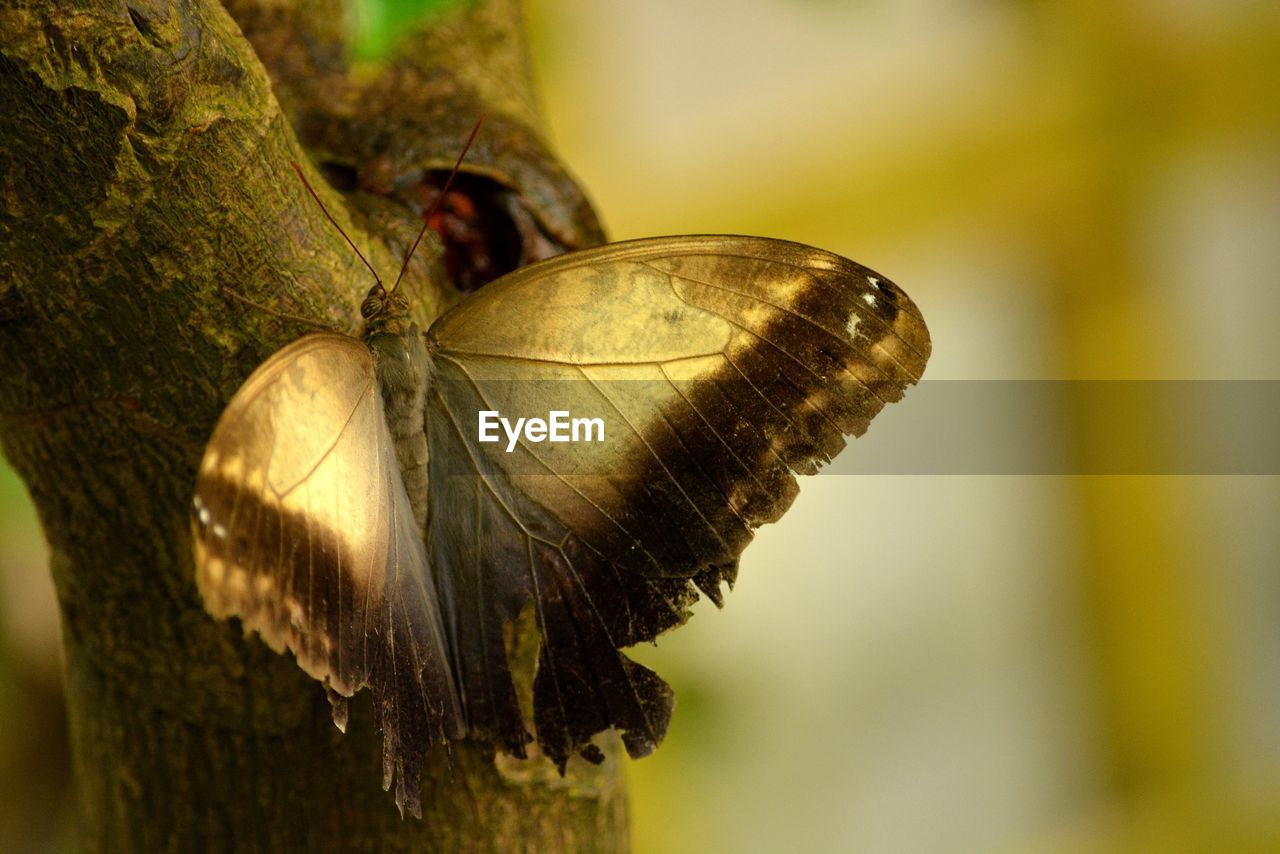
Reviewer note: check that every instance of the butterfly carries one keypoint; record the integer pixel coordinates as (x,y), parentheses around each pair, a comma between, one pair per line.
(349,507)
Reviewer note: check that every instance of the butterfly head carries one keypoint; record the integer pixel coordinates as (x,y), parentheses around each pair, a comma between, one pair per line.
(383,309)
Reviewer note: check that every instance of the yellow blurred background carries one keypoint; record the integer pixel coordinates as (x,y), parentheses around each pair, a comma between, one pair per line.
(941,663)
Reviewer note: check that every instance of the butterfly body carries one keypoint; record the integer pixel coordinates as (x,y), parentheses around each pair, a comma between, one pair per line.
(347,510)
(403,370)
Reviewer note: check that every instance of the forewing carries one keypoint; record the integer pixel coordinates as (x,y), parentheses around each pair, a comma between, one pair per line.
(720,366)
(303,530)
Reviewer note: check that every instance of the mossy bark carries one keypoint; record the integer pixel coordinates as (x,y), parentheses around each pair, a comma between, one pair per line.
(155,248)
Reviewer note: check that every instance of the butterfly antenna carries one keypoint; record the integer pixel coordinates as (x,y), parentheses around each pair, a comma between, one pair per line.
(329,216)
(435,206)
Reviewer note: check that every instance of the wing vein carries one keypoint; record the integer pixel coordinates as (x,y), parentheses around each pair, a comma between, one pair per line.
(602,511)
(714,432)
(665,469)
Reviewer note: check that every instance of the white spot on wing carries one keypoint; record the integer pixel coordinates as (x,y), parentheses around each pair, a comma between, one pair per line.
(869,299)
(852,328)
(296,618)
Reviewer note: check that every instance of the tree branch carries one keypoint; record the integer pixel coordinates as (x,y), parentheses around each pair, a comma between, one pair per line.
(153,248)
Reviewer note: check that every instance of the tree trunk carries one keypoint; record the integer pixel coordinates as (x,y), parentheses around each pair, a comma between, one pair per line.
(155,248)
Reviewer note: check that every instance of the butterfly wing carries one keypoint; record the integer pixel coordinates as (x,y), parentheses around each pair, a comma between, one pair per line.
(720,367)
(303,530)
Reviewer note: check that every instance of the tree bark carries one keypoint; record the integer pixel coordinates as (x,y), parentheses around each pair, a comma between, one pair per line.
(154,248)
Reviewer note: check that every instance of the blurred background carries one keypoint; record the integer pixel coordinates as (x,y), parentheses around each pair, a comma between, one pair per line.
(1068,190)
